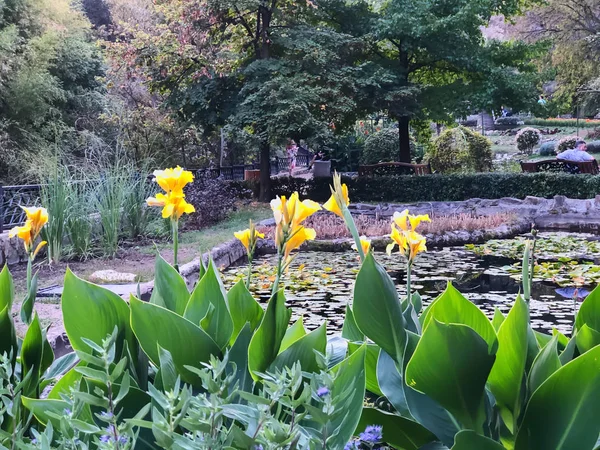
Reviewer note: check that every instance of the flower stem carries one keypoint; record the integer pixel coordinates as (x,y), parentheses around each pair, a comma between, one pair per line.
(249,272)
(408,281)
(175,225)
(29,271)
(278,276)
(353,230)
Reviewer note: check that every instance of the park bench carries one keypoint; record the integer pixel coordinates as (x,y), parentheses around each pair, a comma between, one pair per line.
(394,168)
(560,165)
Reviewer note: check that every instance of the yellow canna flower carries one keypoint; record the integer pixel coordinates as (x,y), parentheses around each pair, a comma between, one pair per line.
(364,243)
(23,233)
(303,210)
(174,204)
(332,203)
(160,200)
(297,238)
(38,218)
(410,243)
(405,220)
(247,239)
(173,179)
(292,212)
(38,248)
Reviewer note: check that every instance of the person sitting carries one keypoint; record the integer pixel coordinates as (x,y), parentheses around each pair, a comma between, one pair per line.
(577,154)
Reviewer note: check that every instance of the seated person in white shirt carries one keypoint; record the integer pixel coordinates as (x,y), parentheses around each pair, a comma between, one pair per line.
(578,154)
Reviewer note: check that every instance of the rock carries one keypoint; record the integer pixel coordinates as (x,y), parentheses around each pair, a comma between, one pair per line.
(112,277)
(533,200)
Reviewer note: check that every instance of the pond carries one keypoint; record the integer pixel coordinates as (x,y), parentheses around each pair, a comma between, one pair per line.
(320,284)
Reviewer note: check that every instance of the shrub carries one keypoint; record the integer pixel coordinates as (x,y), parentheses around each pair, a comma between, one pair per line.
(213,198)
(461,150)
(381,146)
(512,120)
(548,148)
(527,139)
(594,134)
(566,143)
(584,123)
(593,147)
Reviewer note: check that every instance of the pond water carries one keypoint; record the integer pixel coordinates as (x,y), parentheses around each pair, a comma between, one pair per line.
(320,284)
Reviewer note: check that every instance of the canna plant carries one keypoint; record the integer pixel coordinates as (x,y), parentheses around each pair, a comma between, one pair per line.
(249,238)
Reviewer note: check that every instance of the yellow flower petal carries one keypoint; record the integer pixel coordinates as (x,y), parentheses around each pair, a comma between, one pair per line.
(365,244)
(400,219)
(38,217)
(173,179)
(38,248)
(244,237)
(304,209)
(390,248)
(416,220)
(299,236)
(332,206)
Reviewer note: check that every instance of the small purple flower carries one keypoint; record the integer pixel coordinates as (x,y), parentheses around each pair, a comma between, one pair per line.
(34,441)
(372,434)
(123,440)
(107,415)
(258,447)
(322,391)
(350,446)
(105,438)
(67,411)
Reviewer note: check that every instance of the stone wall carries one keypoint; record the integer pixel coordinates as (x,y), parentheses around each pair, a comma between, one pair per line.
(11,250)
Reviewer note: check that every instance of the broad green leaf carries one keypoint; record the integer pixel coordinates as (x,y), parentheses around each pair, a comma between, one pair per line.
(238,354)
(377,309)
(391,383)
(63,386)
(92,312)
(168,371)
(8,336)
(188,344)
(31,356)
(586,338)
(451,365)
(542,338)
(563,341)
(303,351)
(348,389)
(533,347)
(7,289)
(424,409)
(243,309)
(569,352)
(469,440)
(453,307)
(28,302)
(170,290)
(350,329)
(209,291)
(41,408)
(506,378)
(589,311)
(293,333)
(61,365)
(498,319)
(398,431)
(266,341)
(337,348)
(563,412)
(545,364)
(370,365)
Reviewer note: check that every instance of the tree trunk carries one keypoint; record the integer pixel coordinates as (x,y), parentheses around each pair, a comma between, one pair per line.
(265,172)
(404,135)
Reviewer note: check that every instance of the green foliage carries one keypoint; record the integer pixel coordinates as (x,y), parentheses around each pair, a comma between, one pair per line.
(593,147)
(566,143)
(548,148)
(561,122)
(381,146)
(527,139)
(510,120)
(461,150)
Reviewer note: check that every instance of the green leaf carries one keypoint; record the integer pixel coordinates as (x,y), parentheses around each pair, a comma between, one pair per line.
(210,291)
(544,365)
(168,371)
(243,308)
(170,290)
(92,312)
(31,355)
(63,386)
(398,431)
(391,383)
(377,309)
(293,333)
(266,341)
(589,311)
(7,289)
(453,307)
(350,329)
(586,338)
(469,440)
(28,302)
(497,319)
(348,388)
(188,344)
(451,365)
(8,336)
(370,365)
(238,354)
(562,413)
(42,408)
(303,351)
(61,365)
(506,378)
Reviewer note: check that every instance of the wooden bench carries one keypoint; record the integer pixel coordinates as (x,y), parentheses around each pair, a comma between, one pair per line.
(394,168)
(560,165)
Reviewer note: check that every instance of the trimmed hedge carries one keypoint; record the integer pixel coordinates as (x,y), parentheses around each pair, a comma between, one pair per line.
(456,187)
(583,123)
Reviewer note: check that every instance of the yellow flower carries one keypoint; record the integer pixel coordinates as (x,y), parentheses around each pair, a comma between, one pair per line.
(247,239)
(173,179)
(24,233)
(404,219)
(38,217)
(174,204)
(410,243)
(364,243)
(28,233)
(332,204)
(297,238)
(292,211)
